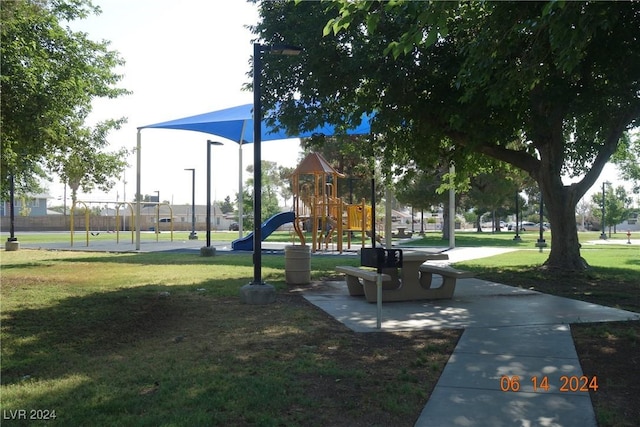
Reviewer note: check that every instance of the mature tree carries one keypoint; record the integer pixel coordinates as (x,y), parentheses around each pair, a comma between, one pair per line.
(627,158)
(49,76)
(83,164)
(226,206)
(494,189)
(616,205)
(284,174)
(419,189)
(271,184)
(549,87)
(491,192)
(352,156)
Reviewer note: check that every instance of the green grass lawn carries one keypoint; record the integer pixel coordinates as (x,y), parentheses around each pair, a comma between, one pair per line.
(162,339)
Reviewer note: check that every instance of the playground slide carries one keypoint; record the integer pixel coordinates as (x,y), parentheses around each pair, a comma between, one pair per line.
(268,227)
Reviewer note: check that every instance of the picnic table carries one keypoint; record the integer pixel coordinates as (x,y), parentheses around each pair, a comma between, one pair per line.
(413,281)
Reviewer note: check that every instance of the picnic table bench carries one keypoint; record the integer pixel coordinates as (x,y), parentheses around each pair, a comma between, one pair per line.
(358,277)
(411,282)
(449,277)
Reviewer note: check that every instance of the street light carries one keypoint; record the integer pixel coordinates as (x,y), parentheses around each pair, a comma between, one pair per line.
(517,236)
(603,235)
(157,212)
(541,243)
(258,50)
(12,243)
(209,144)
(193,235)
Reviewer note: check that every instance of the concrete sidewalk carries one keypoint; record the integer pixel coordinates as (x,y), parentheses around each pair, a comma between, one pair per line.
(508,331)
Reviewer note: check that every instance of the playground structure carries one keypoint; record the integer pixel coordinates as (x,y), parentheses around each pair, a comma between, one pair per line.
(118,206)
(317,207)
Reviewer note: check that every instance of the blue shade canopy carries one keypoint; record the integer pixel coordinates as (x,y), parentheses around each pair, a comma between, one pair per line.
(236,124)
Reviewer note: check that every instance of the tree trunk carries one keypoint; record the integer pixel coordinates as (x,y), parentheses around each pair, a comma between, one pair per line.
(561,204)
(445,223)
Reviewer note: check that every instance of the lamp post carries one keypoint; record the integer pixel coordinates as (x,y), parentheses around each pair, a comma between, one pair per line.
(12,243)
(209,144)
(541,243)
(603,235)
(193,235)
(158,212)
(258,50)
(517,236)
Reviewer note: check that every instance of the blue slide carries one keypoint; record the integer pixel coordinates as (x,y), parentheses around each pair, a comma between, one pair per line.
(268,227)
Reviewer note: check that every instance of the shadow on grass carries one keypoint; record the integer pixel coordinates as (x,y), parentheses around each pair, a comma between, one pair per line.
(95,323)
(139,356)
(610,286)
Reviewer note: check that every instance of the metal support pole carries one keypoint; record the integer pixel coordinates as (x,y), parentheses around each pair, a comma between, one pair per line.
(12,208)
(209,193)
(257,167)
(452,207)
(193,235)
(517,237)
(541,242)
(603,235)
(138,190)
(379,299)
(209,144)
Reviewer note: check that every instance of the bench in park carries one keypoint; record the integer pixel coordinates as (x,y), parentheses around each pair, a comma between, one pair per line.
(449,277)
(358,278)
(402,286)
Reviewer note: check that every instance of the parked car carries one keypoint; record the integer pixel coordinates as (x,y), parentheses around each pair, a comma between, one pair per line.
(530,226)
(234,226)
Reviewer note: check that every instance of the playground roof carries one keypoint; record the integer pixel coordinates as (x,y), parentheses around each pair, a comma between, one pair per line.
(236,124)
(314,163)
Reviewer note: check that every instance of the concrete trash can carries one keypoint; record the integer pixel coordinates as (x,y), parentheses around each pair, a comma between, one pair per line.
(297,264)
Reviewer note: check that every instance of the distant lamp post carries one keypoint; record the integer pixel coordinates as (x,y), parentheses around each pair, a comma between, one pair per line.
(603,235)
(209,144)
(157,211)
(12,243)
(193,235)
(262,296)
(541,243)
(517,236)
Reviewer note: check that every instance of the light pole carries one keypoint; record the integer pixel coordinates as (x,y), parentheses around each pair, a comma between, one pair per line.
(193,235)
(603,235)
(12,243)
(157,212)
(517,236)
(541,243)
(209,144)
(258,50)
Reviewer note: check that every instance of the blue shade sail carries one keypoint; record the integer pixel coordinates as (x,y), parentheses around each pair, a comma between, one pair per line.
(236,124)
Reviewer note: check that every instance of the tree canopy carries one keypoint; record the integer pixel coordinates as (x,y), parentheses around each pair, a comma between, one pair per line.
(49,76)
(549,87)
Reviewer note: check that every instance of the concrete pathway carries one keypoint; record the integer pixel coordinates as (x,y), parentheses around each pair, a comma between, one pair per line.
(508,332)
